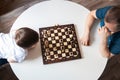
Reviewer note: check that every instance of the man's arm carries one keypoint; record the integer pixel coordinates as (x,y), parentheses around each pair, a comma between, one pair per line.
(104,49)
(85,40)
(104,33)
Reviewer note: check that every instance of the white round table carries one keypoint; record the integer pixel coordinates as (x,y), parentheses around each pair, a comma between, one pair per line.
(49,13)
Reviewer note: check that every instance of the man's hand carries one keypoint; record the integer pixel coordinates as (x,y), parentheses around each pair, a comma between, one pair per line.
(104,33)
(85,40)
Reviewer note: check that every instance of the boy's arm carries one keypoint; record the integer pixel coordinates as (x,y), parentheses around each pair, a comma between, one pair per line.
(88,25)
(10,60)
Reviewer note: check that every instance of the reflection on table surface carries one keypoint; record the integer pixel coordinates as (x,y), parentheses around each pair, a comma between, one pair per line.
(49,13)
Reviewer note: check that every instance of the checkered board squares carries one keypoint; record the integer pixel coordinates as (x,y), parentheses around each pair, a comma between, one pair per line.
(59,43)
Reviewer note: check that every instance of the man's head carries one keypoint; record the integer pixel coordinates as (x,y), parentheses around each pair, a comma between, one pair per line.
(112,19)
(26,37)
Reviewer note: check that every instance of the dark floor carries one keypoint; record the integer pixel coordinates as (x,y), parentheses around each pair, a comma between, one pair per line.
(11,9)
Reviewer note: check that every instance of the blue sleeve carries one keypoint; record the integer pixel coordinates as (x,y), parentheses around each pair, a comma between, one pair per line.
(100,13)
(115,44)
(115,49)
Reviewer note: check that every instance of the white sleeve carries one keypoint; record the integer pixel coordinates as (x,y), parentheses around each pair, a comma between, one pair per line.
(20,56)
(18,53)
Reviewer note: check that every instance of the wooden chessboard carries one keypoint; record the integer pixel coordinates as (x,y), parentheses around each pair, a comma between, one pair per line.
(59,43)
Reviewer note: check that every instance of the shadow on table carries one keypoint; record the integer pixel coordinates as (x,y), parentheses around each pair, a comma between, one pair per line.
(94,31)
(92,36)
(34,53)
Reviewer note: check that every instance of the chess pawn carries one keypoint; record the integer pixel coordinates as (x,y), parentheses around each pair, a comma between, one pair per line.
(44,32)
(66,29)
(45,35)
(60,40)
(71,53)
(62,49)
(46,43)
(55,49)
(49,33)
(70,32)
(71,36)
(47,50)
(56,25)
(66,33)
(69,29)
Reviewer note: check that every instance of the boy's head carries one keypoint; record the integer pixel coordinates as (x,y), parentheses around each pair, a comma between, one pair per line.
(112,19)
(26,37)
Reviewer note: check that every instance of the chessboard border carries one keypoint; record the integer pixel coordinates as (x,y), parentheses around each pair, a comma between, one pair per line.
(63,60)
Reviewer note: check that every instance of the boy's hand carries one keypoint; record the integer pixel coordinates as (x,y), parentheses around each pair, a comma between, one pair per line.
(10,60)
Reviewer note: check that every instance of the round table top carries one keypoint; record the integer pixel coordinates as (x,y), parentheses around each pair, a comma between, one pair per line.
(50,13)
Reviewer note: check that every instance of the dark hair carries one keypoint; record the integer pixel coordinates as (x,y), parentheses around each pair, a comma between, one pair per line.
(113,16)
(26,37)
